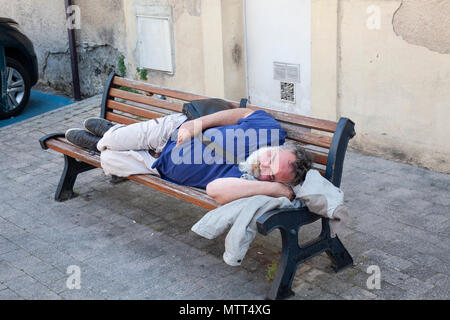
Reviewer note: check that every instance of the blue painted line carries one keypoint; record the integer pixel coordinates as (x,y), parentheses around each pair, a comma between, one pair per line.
(39,103)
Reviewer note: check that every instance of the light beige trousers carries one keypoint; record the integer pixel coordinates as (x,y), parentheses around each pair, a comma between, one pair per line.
(124,148)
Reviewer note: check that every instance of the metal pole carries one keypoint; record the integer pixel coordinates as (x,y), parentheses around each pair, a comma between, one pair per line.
(3,80)
(73,57)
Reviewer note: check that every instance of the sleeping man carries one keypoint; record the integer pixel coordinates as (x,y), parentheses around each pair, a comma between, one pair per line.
(233,153)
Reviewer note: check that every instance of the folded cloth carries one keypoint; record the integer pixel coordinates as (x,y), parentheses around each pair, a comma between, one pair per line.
(319,196)
(323,198)
(241,215)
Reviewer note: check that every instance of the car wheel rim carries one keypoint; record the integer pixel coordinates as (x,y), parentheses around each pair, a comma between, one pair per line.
(15,88)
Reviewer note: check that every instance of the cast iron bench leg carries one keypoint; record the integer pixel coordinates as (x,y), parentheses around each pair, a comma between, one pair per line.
(335,249)
(338,254)
(287,266)
(72,168)
(289,222)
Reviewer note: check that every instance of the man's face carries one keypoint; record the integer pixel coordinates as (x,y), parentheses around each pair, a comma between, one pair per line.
(272,164)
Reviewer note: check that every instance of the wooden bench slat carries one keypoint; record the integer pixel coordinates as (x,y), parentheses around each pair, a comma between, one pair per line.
(304,121)
(118,118)
(314,139)
(319,157)
(187,194)
(135,97)
(136,111)
(63,146)
(177,94)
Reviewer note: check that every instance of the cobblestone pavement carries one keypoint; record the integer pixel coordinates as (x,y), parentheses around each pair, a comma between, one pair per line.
(131,242)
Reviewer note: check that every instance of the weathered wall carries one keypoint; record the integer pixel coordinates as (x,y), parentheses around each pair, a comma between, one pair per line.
(188,46)
(394,81)
(233,49)
(99,40)
(424,23)
(324,58)
(208,42)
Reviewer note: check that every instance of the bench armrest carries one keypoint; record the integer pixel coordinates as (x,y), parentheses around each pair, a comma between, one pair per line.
(287,218)
(43,140)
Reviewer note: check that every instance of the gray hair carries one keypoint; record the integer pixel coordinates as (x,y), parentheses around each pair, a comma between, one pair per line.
(303,161)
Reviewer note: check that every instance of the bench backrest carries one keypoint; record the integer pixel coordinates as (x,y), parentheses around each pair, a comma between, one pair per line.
(127,101)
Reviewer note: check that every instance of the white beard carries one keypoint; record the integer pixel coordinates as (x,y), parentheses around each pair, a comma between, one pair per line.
(251,166)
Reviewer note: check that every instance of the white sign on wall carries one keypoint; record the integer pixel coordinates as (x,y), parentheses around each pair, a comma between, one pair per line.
(154,37)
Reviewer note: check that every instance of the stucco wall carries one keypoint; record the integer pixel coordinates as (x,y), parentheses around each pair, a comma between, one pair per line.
(233,49)
(394,82)
(208,42)
(424,23)
(188,46)
(99,40)
(324,58)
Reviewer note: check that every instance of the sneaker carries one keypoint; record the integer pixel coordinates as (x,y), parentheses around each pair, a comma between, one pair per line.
(83,139)
(98,126)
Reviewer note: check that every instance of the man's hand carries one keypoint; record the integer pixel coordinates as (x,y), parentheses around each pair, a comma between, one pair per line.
(188,130)
(285,191)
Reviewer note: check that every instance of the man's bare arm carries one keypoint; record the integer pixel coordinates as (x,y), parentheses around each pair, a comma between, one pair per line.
(192,128)
(225,190)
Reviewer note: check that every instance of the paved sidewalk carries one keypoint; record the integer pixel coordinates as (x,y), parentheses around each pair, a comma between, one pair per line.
(130,242)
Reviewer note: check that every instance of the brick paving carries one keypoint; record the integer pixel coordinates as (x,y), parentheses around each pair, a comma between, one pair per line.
(130,242)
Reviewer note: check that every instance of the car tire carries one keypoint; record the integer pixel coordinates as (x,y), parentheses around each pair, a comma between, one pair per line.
(22,95)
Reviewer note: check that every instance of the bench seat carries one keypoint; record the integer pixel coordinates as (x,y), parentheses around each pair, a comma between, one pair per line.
(195,196)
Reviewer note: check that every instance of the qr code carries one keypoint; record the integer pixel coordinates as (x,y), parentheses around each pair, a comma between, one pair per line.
(288,92)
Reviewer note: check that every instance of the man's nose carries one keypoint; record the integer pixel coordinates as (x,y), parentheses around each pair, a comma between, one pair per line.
(265,163)
(265,168)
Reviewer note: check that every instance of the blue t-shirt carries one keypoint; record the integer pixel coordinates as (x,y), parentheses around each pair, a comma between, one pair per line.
(193,164)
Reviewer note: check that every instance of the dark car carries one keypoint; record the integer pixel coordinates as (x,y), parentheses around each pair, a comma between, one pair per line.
(21,68)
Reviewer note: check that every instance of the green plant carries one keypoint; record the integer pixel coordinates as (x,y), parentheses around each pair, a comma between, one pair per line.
(121,66)
(271,270)
(142,72)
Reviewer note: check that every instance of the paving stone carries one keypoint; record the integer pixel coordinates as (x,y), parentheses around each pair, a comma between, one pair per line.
(414,287)
(359,294)
(54,279)
(30,289)
(9,272)
(7,246)
(8,294)
(31,265)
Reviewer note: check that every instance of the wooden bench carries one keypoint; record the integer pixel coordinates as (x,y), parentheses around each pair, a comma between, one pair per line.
(126,101)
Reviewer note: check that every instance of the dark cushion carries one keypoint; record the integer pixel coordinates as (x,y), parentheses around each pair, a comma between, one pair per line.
(199,108)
